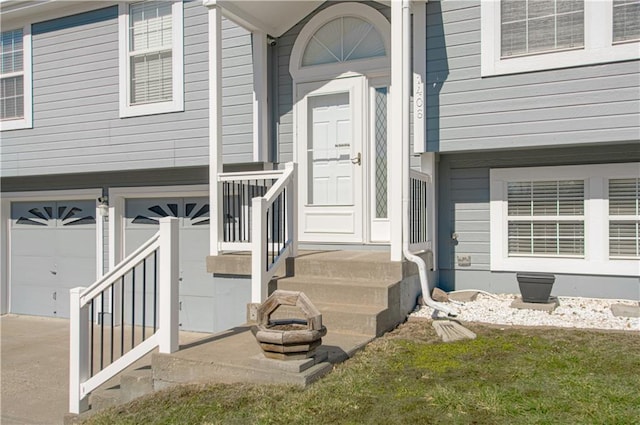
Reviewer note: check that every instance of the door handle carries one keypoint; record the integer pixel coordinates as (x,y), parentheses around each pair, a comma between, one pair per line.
(357,159)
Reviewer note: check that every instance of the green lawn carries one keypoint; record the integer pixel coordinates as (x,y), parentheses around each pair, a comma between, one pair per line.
(505,376)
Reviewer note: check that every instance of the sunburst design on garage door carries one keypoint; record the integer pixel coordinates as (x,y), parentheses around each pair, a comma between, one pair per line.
(195,213)
(46,216)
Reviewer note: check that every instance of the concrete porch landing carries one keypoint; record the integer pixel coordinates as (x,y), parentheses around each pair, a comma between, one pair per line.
(234,357)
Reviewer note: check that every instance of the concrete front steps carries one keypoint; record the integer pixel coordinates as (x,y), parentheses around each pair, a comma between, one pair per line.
(361,295)
(359,292)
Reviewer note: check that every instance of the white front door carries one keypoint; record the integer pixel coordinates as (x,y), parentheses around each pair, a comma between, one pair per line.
(330,154)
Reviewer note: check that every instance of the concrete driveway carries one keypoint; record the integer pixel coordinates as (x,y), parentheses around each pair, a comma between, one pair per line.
(34,363)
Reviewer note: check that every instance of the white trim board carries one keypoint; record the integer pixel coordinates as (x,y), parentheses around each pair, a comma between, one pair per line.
(596,259)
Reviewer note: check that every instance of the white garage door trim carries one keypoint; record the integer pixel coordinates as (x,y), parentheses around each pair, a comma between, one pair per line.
(117,197)
(5,231)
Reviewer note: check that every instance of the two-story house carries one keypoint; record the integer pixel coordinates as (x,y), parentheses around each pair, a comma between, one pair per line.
(499,136)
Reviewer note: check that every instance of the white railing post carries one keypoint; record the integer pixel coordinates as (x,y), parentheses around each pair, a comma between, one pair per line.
(78,352)
(292,211)
(259,250)
(168,285)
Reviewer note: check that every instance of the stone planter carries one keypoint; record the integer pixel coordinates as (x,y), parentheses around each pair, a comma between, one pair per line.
(289,339)
(535,287)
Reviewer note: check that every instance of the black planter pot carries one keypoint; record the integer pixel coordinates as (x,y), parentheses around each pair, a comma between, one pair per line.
(535,287)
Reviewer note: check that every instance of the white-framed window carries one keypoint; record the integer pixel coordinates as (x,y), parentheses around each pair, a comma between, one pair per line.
(533,35)
(626,20)
(151,58)
(579,219)
(15,79)
(624,218)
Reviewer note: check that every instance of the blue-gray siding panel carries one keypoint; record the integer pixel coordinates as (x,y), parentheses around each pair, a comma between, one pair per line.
(463,209)
(75,102)
(587,104)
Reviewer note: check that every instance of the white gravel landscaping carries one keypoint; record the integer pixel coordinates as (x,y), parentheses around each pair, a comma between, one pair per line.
(573,312)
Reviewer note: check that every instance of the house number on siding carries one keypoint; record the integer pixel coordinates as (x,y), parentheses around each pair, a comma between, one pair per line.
(418,98)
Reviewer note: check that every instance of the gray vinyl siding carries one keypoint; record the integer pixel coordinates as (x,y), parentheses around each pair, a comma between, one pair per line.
(76,124)
(284,113)
(585,104)
(463,209)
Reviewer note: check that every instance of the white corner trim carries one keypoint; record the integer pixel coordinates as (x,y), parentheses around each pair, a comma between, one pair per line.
(358,10)
(598,45)
(596,260)
(177,55)
(260,96)
(27,69)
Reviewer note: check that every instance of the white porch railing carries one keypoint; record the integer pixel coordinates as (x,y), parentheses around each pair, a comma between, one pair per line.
(419,199)
(141,294)
(260,215)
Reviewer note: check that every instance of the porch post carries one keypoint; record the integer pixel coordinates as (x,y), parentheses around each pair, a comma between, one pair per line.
(260,87)
(399,128)
(215,123)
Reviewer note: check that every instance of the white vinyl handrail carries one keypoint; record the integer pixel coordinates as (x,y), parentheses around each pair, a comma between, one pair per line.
(88,345)
(274,221)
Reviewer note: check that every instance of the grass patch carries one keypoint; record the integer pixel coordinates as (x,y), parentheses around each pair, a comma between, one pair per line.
(510,376)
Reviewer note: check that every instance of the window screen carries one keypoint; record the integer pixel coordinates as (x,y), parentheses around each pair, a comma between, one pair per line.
(626,20)
(11,75)
(150,55)
(546,218)
(536,26)
(624,217)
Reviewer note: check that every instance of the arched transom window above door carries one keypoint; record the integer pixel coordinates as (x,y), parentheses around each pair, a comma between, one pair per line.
(343,39)
(347,37)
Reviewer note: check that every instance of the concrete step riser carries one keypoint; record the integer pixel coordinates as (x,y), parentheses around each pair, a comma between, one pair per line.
(337,293)
(103,399)
(169,371)
(136,384)
(349,270)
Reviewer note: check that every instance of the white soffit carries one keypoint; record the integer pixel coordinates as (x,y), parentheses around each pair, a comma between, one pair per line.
(273,17)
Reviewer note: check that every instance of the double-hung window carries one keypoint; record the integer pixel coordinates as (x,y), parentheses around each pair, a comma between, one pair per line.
(578,219)
(546,218)
(15,79)
(151,58)
(624,218)
(533,35)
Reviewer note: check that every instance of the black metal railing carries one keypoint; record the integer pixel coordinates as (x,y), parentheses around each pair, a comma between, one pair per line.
(276,228)
(133,310)
(418,220)
(237,206)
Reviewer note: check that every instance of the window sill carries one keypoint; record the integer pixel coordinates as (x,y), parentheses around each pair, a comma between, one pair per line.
(556,60)
(15,124)
(127,111)
(567,266)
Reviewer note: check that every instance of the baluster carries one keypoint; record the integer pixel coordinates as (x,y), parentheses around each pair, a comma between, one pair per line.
(91,319)
(144,298)
(112,320)
(155,290)
(101,330)
(133,305)
(122,292)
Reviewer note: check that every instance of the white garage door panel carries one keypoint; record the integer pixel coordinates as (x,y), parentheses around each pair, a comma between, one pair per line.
(202,306)
(53,247)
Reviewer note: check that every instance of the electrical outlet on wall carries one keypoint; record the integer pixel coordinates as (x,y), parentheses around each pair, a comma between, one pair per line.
(464,260)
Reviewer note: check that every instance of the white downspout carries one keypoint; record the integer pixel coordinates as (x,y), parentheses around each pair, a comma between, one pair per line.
(405,96)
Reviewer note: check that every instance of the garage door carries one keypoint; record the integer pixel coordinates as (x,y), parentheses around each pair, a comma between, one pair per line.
(53,247)
(206,304)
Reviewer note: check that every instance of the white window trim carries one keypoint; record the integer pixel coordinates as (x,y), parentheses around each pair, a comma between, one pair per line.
(27,120)
(598,43)
(363,66)
(596,259)
(177,55)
